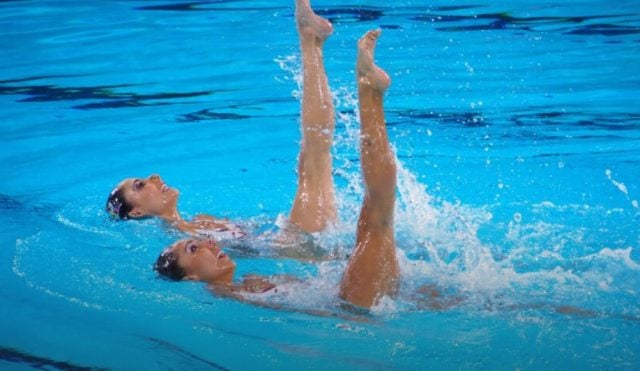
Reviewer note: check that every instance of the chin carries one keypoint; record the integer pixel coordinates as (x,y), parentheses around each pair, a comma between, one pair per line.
(171,197)
(174,193)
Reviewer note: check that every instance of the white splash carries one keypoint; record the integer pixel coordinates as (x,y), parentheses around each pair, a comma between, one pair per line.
(438,241)
(292,65)
(80,227)
(621,187)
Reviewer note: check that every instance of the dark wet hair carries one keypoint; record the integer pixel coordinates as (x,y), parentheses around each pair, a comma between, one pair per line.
(167,266)
(117,205)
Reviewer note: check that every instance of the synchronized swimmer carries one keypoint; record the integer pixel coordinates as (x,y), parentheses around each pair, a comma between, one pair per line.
(136,198)
(372,271)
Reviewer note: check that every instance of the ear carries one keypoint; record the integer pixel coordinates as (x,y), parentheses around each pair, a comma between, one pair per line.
(136,213)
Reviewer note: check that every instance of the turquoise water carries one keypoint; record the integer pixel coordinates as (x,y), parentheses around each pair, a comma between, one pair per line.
(516,126)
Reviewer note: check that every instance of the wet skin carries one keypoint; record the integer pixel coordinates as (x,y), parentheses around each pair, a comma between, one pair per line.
(372,271)
(151,197)
(203,260)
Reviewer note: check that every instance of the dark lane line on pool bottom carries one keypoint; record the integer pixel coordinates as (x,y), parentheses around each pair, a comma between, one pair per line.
(18,357)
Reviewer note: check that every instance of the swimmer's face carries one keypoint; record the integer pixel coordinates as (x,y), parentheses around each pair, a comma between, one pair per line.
(149,197)
(203,260)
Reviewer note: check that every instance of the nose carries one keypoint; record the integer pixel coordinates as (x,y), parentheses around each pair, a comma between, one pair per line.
(155,178)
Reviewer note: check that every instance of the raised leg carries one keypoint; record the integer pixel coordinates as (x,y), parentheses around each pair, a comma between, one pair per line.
(372,271)
(314,204)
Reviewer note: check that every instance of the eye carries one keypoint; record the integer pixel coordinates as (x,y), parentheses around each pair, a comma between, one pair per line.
(138,184)
(191,247)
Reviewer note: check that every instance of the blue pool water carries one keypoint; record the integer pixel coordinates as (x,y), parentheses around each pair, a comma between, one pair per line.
(517,129)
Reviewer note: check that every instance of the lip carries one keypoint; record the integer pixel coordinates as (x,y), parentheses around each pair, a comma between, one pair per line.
(220,254)
(164,188)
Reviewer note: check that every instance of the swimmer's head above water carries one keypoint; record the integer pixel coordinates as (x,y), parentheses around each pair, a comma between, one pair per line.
(136,198)
(196,260)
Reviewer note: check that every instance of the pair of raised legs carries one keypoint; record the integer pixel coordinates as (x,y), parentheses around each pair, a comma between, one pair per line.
(372,271)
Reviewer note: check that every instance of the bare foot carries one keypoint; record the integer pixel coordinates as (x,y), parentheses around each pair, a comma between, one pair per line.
(309,23)
(368,72)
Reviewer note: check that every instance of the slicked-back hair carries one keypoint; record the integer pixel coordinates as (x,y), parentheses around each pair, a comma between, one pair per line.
(117,205)
(167,266)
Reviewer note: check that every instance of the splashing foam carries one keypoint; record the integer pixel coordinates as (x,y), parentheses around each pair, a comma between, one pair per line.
(445,233)
(291,65)
(438,241)
(621,187)
(448,235)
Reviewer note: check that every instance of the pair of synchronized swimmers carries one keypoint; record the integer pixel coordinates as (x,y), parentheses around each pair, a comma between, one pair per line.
(372,271)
